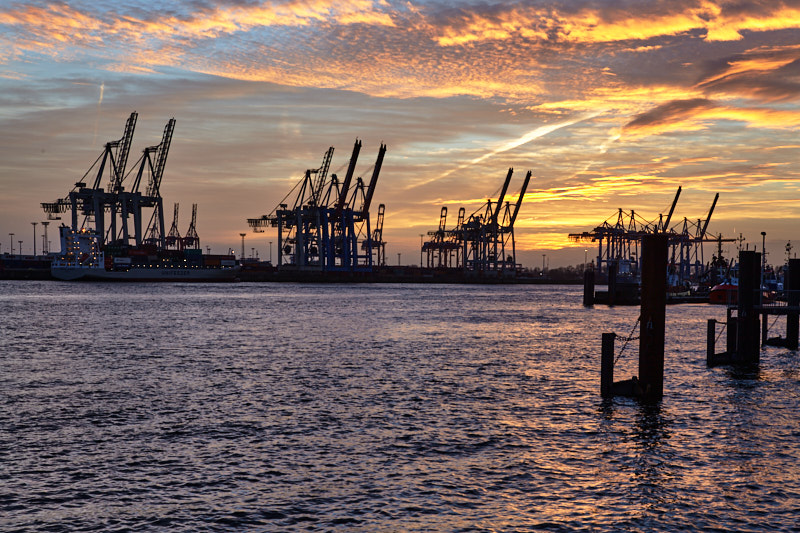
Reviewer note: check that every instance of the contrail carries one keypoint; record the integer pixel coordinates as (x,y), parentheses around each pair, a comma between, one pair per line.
(510,145)
(97,118)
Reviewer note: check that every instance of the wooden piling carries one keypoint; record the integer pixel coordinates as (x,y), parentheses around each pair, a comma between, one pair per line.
(731,327)
(711,341)
(792,287)
(748,345)
(653,315)
(612,282)
(607,365)
(588,287)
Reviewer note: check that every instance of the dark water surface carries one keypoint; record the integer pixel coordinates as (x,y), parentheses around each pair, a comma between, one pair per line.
(282,407)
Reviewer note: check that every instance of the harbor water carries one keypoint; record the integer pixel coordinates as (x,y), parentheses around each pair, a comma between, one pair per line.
(289,407)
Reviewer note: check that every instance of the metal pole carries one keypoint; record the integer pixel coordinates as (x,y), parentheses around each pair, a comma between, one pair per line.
(34,237)
(420,250)
(270,252)
(12,243)
(242,235)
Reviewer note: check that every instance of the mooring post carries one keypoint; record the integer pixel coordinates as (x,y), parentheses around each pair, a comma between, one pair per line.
(711,341)
(732,328)
(588,287)
(653,315)
(612,282)
(607,365)
(748,349)
(792,286)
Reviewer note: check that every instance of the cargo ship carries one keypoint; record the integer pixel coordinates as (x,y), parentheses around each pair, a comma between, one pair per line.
(82,258)
(107,239)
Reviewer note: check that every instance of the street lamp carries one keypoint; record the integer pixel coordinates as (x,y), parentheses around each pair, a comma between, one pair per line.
(45,242)
(34,237)
(12,243)
(420,250)
(270,252)
(398,258)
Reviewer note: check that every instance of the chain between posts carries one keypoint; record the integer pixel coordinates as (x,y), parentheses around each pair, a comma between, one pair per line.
(629,338)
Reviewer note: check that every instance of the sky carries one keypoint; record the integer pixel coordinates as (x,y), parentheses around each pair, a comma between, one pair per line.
(611,104)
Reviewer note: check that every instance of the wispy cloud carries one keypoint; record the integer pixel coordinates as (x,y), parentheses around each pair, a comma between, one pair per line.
(510,145)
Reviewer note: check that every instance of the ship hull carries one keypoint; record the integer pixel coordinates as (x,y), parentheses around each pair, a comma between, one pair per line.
(76,273)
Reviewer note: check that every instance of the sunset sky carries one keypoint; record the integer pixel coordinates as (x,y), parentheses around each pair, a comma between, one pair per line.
(611,104)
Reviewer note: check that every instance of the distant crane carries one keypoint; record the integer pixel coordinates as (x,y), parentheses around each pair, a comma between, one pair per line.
(327,227)
(192,240)
(483,242)
(92,202)
(173,239)
(618,242)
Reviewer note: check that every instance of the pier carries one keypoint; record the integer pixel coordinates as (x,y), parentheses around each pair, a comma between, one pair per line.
(747,323)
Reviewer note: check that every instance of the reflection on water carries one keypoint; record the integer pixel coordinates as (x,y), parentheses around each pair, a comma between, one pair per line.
(266,407)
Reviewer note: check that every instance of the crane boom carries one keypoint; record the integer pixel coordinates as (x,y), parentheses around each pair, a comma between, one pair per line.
(519,200)
(322,173)
(348,178)
(502,196)
(161,159)
(708,218)
(373,182)
(124,150)
(665,226)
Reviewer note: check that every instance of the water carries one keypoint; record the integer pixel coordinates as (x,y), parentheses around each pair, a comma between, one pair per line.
(282,407)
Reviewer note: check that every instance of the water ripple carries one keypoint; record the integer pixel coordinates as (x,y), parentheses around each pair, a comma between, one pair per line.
(264,407)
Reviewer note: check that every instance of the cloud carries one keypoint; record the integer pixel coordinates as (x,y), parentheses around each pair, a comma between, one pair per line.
(697,113)
(588,23)
(764,73)
(382,48)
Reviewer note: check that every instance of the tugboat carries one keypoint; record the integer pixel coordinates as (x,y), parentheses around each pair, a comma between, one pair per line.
(726,293)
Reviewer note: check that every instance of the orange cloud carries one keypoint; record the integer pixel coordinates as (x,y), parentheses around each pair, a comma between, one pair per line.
(696,114)
(593,25)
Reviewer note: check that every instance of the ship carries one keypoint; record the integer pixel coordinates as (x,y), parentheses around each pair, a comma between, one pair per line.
(83,258)
(107,239)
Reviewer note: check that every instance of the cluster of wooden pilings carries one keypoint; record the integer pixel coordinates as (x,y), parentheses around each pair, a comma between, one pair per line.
(620,292)
(747,329)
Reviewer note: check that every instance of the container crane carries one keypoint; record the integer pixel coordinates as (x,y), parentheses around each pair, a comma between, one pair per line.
(191,240)
(323,227)
(173,239)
